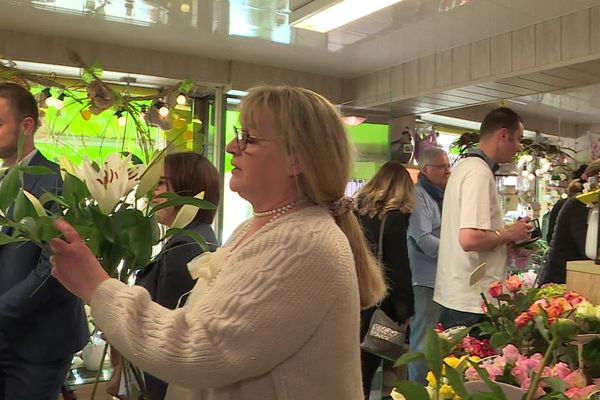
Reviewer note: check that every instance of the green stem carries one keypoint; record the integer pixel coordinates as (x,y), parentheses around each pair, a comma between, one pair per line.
(99,373)
(538,375)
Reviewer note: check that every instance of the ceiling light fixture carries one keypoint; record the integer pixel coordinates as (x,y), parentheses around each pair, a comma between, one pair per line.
(326,15)
(352,120)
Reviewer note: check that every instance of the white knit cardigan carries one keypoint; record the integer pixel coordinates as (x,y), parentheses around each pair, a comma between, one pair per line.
(281,321)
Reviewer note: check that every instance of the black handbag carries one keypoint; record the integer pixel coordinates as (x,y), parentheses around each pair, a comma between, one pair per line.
(385,338)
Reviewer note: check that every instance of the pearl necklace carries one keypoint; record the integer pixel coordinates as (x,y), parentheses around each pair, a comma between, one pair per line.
(279,211)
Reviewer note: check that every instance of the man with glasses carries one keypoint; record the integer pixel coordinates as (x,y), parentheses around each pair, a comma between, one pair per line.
(423,244)
(473,240)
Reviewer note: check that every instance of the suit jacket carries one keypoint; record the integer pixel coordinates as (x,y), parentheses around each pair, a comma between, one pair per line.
(50,323)
(167,278)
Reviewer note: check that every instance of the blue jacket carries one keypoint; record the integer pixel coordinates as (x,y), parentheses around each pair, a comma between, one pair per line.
(49,324)
(424,238)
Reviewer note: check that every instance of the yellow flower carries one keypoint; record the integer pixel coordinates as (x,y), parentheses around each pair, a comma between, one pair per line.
(447,392)
(452,361)
(431,379)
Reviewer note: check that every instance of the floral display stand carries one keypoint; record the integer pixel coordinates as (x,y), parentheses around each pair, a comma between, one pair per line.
(534,343)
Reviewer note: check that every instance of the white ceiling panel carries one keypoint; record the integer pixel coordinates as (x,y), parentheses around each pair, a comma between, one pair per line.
(257,31)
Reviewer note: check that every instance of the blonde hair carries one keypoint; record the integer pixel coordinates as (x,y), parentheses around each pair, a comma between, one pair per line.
(390,189)
(311,132)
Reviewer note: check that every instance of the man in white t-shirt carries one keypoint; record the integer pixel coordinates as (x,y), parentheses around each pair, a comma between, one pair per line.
(472,230)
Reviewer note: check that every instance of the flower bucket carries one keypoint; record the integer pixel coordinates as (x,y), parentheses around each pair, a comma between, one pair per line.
(92,355)
(511,392)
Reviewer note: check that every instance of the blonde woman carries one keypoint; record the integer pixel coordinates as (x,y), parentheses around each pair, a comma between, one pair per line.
(276,314)
(387,198)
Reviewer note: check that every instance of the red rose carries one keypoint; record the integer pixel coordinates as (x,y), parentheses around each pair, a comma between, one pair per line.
(495,289)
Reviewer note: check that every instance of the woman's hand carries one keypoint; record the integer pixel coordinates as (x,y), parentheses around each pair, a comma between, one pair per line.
(74,265)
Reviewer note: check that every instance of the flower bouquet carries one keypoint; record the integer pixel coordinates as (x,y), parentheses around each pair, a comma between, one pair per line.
(110,204)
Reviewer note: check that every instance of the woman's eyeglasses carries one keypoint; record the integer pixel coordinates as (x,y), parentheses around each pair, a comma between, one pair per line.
(243,137)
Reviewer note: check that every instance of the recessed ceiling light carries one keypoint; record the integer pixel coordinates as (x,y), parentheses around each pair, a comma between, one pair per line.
(325,15)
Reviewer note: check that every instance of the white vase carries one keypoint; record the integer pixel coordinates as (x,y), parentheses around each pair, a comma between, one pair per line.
(511,392)
(92,355)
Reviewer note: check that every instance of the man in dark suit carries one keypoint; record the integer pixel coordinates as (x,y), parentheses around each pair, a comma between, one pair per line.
(41,324)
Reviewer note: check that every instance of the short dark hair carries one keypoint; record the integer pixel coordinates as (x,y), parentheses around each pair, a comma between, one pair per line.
(22,102)
(499,118)
(190,173)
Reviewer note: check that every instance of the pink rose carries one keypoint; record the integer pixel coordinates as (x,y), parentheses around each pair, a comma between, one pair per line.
(574,298)
(575,379)
(560,370)
(511,353)
(520,374)
(493,371)
(523,319)
(580,394)
(513,283)
(495,290)
(471,374)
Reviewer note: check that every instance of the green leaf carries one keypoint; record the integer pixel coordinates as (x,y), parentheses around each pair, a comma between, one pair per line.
(433,353)
(541,323)
(9,189)
(412,390)
(39,209)
(499,339)
(456,381)
(73,189)
(141,242)
(194,235)
(104,224)
(5,239)
(52,197)
(180,201)
(186,86)
(23,207)
(34,169)
(486,328)
(407,358)
(29,226)
(46,229)
(557,385)
(92,73)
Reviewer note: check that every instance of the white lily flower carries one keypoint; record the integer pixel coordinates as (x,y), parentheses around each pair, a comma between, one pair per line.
(108,185)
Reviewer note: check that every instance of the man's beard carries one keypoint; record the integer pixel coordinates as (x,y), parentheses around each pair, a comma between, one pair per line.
(9,151)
